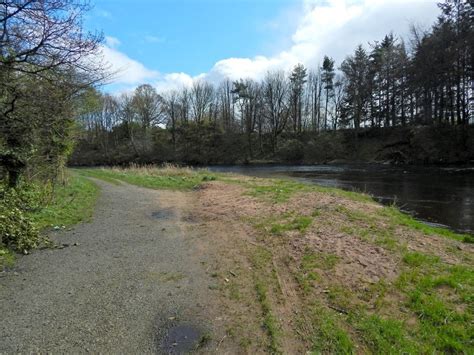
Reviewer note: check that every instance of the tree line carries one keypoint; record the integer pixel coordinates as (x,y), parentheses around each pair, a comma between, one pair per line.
(425,81)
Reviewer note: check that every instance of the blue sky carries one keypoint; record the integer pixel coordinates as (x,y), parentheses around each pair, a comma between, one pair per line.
(190,35)
(171,43)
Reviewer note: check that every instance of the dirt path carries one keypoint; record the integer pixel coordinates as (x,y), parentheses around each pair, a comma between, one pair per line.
(133,283)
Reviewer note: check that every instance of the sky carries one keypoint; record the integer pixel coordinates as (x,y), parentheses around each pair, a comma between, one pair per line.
(171,43)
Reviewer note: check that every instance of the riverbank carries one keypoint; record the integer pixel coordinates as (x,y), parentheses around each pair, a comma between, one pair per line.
(209,145)
(303,267)
(436,195)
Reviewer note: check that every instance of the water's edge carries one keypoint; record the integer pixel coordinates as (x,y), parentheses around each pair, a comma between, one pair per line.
(438,196)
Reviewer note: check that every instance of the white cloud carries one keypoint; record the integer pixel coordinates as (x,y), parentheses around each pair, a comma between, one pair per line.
(112,42)
(173,81)
(127,70)
(326,27)
(333,28)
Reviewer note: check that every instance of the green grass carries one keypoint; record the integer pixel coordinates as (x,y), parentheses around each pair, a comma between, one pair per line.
(7,258)
(399,218)
(269,320)
(286,222)
(306,280)
(416,259)
(373,233)
(281,190)
(58,206)
(264,278)
(441,297)
(70,204)
(327,334)
(427,309)
(153,178)
(323,261)
(384,335)
(298,223)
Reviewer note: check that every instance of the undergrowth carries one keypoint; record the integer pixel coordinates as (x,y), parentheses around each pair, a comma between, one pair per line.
(29,209)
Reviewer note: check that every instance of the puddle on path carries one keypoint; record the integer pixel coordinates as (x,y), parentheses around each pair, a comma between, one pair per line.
(182,339)
(163,214)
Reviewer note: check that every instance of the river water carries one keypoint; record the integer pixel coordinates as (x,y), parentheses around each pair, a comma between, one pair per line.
(440,196)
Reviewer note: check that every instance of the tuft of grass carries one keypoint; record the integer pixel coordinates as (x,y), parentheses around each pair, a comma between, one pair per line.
(441,296)
(374,233)
(166,177)
(7,258)
(384,335)
(310,263)
(327,335)
(306,280)
(299,223)
(264,277)
(416,259)
(284,223)
(70,204)
(341,297)
(324,261)
(204,340)
(269,320)
(277,191)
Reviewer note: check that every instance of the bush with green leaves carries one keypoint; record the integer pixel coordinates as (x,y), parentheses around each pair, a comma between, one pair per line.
(17,231)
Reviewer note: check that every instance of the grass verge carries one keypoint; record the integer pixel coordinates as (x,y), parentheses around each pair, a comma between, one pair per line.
(62,206)
(167,177)
(70,204)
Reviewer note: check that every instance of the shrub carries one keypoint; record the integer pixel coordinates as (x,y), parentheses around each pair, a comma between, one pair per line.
(17,231)
(291,150)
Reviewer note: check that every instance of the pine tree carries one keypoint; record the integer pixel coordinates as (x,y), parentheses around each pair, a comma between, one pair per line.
(327,78)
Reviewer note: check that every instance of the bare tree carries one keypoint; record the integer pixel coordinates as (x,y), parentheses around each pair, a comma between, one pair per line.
(275,96)
(226,103)
(201,99)
(148,106)
(171,101)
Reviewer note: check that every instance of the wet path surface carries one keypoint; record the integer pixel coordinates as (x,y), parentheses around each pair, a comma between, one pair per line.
(130,283)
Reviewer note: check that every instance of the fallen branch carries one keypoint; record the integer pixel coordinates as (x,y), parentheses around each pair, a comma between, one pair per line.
(340,310)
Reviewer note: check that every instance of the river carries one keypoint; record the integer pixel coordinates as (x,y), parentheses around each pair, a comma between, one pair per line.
(439,196)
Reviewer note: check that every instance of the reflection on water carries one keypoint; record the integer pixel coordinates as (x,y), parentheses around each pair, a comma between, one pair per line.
(436,195)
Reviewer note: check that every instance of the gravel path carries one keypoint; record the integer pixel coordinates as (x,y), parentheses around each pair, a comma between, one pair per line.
(133,277)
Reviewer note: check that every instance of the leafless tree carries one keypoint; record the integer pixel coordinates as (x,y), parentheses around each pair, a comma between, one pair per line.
(201,99)
(148,106)
(275,96)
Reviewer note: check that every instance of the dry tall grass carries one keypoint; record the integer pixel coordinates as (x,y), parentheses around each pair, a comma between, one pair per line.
(156,170)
